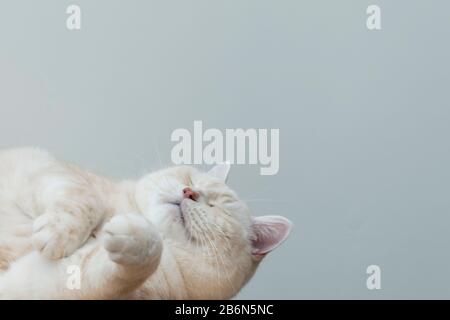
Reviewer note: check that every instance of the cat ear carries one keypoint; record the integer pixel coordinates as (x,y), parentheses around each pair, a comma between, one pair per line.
(220,171)
(268,233)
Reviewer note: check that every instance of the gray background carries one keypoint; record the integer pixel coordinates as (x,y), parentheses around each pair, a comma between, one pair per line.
(363,116)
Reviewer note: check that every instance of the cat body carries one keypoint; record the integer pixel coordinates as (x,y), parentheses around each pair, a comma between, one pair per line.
(177,233)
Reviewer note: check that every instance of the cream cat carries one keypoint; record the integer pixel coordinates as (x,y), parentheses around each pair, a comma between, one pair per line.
(177,233)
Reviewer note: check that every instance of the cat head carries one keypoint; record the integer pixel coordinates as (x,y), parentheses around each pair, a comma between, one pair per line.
(218,243)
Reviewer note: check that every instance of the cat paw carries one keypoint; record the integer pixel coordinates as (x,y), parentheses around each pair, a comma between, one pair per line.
(53,237)
(130,239)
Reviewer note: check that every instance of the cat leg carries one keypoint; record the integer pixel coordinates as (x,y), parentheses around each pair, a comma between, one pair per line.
(70,211)
(127,253)
(131,252)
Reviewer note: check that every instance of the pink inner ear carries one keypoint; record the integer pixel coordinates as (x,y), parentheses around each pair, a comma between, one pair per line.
(269,233)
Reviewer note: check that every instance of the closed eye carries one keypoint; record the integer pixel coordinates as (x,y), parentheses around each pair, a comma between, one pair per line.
(224,202)
(228,200)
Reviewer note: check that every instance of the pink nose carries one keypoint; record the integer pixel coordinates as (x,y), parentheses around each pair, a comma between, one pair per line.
(190,194)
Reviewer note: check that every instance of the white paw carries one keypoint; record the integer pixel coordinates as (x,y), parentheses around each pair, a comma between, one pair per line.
(131,240)
(54,237)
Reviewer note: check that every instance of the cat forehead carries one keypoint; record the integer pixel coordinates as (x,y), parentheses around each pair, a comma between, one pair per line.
(202,180)
(213,186)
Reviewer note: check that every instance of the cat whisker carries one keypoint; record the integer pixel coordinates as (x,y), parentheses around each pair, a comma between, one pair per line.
(224,267)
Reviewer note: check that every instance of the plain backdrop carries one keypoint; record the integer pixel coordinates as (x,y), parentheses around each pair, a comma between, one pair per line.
(364,119)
